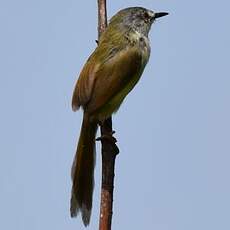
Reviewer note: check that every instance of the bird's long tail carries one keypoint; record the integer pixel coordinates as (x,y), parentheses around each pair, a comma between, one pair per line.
(83,171)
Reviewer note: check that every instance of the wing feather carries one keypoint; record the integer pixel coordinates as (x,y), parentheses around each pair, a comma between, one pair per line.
(83,88)
(102,78)
(113,76)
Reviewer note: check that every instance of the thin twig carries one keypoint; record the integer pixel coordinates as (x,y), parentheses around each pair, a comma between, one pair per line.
(109,148)
(102,16)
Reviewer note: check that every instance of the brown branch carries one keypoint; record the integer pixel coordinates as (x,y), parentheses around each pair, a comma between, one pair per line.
(109,148)
(109,152)
(102,16)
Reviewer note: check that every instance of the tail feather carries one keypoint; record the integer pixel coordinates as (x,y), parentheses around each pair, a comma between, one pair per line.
(83,172)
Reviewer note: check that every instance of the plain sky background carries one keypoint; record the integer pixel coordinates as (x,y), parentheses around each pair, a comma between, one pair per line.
(173,129)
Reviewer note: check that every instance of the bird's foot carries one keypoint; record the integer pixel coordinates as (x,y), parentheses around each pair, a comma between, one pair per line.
(109,137)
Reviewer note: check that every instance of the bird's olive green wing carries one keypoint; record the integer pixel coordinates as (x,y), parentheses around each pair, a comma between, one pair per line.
(114,79)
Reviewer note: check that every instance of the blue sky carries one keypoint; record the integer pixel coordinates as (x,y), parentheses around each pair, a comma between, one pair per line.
(173,129)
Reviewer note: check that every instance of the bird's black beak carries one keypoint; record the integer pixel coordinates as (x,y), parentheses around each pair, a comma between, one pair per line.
(160,14)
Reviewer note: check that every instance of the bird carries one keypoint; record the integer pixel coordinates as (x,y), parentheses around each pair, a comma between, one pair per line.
(109,74)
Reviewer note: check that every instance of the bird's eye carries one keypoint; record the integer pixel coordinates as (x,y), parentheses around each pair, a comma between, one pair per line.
(146,17)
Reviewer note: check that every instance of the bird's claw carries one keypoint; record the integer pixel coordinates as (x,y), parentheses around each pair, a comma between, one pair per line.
(108,137)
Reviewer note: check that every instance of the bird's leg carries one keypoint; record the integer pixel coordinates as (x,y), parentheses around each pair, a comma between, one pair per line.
(108,136)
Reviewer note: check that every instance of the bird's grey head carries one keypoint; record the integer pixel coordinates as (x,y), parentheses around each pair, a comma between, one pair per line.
(137,18)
